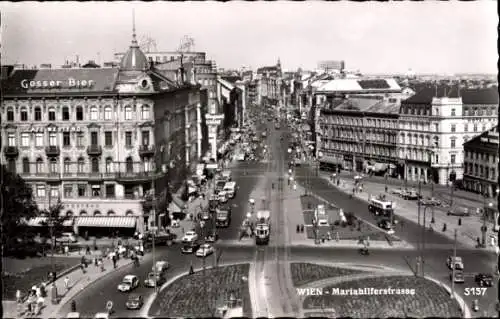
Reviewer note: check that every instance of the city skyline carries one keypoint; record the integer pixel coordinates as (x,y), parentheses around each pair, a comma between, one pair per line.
(427,37)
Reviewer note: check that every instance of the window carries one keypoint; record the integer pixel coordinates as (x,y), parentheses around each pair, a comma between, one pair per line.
(96,192)
(65,113)
(95,165)
(66,139)
(24,115)
(484,128)
(475,127)
(81,165)
(11,139)
(109,165)
(453,141)
(453,112)
(108,138)
(128,113)
(436,127)
(466,127)
(453,158)
(93,113)
(40,191)
(82,190)
(93,138)
(52,114)
(26,165)
(128,138)
(80,141)
(453,127)
(39,165)
(53,166)
(110,190)
(53,139)
(10,115)
(11,165)
(67,165)
(25,139)
(79,113)
(38,114)
(129,165)
(145,112)
(145,137)
(39,140)
(54,191)
(68,190)
(107,113)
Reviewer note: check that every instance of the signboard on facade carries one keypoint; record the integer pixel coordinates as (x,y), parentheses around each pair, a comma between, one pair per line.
(213,122)
(209,116)
(49,84)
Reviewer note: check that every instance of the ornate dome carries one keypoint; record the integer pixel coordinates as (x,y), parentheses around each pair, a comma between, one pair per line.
(134,59)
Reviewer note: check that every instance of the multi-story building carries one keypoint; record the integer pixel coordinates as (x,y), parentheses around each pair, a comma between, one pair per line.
(481,163)
(269,78)
(100,139)
(434,124)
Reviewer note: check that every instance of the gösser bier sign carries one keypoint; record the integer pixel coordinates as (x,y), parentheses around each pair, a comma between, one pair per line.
(49,84)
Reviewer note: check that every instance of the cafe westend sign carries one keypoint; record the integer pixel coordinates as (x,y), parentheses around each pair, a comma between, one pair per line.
(52,84)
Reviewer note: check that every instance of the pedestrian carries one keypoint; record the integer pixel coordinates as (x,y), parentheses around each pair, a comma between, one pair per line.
(114,261)
(66,250)
(73,306)
(87,250)
(38,291)
(82,266)
(18,296)
(66,283)
(39,304)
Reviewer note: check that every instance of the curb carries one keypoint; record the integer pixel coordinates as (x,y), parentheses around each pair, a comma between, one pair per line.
(149,302)
(461,302)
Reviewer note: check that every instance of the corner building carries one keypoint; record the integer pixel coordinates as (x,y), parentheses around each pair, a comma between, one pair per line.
(100,140)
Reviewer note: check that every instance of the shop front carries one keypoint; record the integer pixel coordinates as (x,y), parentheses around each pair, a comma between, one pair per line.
(348,162)
(105,226)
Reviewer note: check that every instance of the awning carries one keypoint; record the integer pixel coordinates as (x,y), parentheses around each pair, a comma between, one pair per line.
(42,221)
(176,205)
(108,221)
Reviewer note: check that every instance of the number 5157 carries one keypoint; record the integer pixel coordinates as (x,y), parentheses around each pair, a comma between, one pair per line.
(476,291)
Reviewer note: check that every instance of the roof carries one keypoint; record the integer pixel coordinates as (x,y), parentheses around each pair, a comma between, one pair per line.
(357,85)
(26,82)
(487,140)
(366,105)
(134,59)
(480,96)
(226,84)
(469,96)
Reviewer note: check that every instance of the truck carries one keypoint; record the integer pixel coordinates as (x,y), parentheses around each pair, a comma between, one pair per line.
(223,217)
(263,227)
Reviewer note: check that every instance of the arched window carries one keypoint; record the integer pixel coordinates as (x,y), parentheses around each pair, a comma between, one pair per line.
(39,165)
(79,113)
(38,113)
(111,213)
(129,213)
(108,113)
(145,112)
(67,165)
(26,165)
(53,165)
(129,165)
(83,213)
(10,115)
(81,165)
(52,114)
(95,165)
(69,213)
(65,113)
(109,165)
(24,114)
(97,213)
(93,113)
(128,112)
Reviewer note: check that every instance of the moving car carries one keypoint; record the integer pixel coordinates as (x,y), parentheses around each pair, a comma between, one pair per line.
(322,222)
(223,196)
(134,302)
(204,250)
(459,277)
(190,236)
(410,195)
(101,315)
(150,280)
(129,283)
(211,238)
(460,212)
(385,225)
(455,262)
(73,315)
(189,249)
(67,237)
(484,280)
(397,191)
(161,266)
(241,157)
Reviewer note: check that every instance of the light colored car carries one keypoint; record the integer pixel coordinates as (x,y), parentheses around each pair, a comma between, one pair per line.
(457,261)
(101,315)
(204,250)
(240,157)
(223,196)
(323,222)
(190,236)
(161,266)
(150,280)
(67,237)
(459,277)
(73,315)
(129,283)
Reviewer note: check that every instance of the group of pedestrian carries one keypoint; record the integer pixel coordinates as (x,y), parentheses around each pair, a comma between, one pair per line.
(35,300)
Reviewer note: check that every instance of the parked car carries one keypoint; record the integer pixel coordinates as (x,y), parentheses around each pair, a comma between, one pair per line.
(101,315)
(190,236)
(67,238)
(204,250)
(397,191)
(459,277)
(455,262)
(410,195)
(460,212)
(129,283)
(134,302)
(484,280)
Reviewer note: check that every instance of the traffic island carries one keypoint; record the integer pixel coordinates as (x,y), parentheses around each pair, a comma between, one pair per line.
(304,273)
(203,293)
(382,297)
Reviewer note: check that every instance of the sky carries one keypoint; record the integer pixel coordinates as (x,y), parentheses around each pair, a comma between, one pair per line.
(387,37)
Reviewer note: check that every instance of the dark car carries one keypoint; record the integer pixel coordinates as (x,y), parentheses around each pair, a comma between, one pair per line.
(385,224)
(134,302)
(190,249)
(459,213)
(484,280)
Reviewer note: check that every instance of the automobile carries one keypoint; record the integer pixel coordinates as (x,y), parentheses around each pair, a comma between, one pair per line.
(397,191)
(385,225)
(205,215)
(484,280)
(459,276)
(464,212)
(150,280)
(211,238)
(204,250)
(67,237)
(223,196)
(457,261)
(73,315)
(129,283)
(101,315)
(322,222)
(190,236)
(410,195)
(134,302)
(434,201)
(189,249)
(241,157)
(161,266)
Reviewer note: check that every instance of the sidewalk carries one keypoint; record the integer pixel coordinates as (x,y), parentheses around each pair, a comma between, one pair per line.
(467,232)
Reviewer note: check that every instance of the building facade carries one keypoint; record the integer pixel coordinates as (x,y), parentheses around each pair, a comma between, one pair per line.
(269,79)
(100,139)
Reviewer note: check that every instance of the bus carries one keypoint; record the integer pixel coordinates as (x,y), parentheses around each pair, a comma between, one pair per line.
(381,207)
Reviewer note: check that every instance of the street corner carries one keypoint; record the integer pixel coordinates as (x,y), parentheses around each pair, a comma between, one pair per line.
(222,288)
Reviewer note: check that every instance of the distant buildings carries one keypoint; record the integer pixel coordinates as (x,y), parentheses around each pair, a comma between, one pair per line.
(269,82)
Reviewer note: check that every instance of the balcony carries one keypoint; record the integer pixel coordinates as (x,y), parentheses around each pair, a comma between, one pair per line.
(53,177)
(133,177)
(146,150)
(11,151)
(94,150)
(95,177)
(52,151)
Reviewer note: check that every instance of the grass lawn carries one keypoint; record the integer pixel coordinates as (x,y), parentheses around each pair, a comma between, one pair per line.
(24,273)
(429,300)
(303,273)
(198,295)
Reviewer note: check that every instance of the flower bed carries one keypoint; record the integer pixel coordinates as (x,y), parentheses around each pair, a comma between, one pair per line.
(198,295)
(430,299)
(303,273)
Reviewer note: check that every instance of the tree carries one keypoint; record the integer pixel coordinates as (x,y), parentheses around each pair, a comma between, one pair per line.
(55,220)
(17,206)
